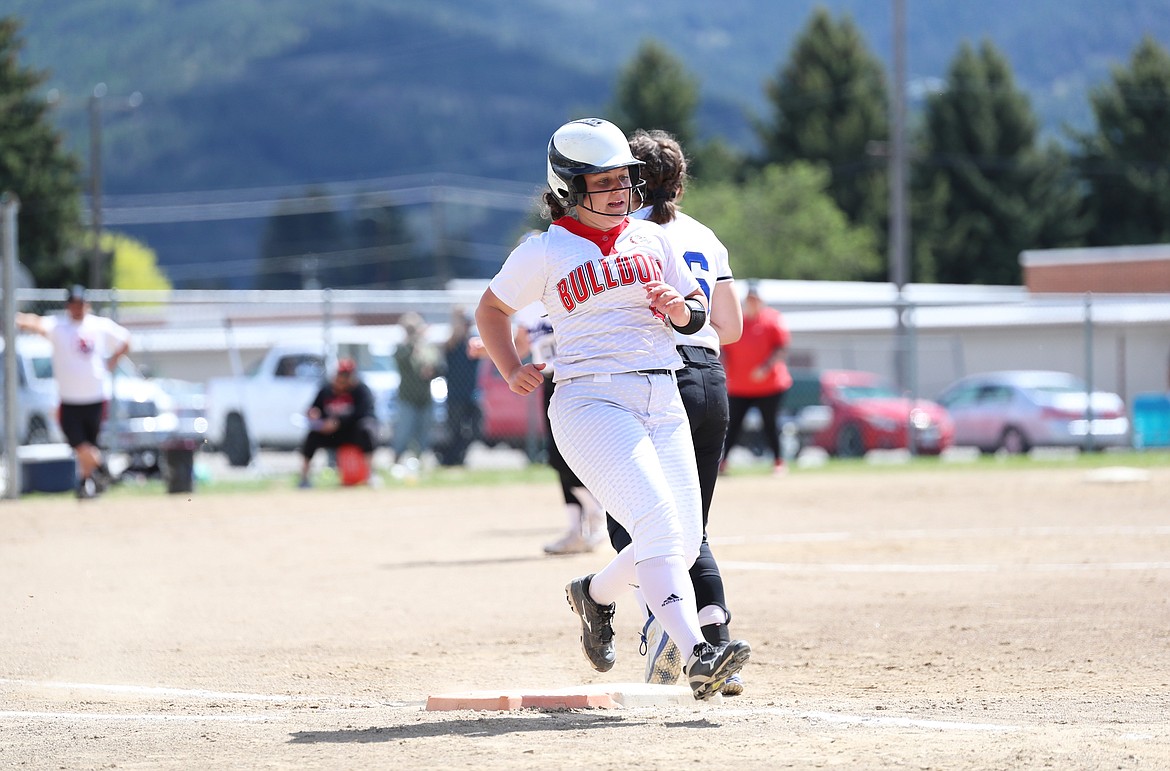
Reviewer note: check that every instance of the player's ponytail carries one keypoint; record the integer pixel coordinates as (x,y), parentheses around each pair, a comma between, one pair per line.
(551,208)
(664,169)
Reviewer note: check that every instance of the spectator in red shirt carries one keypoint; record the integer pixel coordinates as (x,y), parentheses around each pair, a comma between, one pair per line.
(757,373)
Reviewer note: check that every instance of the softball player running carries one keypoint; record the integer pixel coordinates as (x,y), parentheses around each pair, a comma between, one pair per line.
(614,290)
(702,383)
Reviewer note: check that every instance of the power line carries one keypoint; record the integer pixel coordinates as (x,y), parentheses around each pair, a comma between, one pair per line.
(264,202)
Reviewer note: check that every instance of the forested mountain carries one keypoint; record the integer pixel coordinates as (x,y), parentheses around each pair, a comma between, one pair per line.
(304,94)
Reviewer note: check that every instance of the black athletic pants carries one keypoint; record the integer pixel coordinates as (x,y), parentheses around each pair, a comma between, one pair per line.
(702,383)
(769,407)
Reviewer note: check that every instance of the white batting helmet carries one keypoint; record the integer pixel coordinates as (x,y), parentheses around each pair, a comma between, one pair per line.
(587,146)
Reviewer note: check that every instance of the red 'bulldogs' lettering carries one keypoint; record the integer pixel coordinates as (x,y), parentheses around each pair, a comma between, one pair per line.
(610,281)
(626,270)
(577,284)
(594,284)
(645,272)
(566,299)
(584,282)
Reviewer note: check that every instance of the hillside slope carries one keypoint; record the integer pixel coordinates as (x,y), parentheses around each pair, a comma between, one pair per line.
(242,95)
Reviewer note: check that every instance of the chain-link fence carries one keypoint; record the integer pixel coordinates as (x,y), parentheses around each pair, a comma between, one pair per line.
(248,362)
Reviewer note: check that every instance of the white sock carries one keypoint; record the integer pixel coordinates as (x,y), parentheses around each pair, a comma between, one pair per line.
(641,599)
(615,579)
(666,586)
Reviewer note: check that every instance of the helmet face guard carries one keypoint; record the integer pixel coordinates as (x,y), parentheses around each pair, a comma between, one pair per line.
(589,146)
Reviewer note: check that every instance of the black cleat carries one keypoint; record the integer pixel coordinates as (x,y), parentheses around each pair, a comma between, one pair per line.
(709,666)
(596,624)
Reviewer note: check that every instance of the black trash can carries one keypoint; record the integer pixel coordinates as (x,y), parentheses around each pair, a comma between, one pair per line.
(178,465)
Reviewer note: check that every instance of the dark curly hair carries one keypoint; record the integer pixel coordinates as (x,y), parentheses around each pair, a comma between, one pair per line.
(665,171)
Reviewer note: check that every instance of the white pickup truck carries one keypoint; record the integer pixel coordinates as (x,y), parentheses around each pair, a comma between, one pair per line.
(265,406)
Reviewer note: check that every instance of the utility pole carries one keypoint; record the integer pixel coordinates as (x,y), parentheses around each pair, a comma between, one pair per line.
(96,112)
(904,369)
(899,228)
(899,262)
(95,184)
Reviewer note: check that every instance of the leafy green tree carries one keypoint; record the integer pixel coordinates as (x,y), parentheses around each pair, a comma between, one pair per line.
(830,106)
(716,161)
(135,263)
(781,223)
(991,191)
(654,91)
(36,168)
(1126,163)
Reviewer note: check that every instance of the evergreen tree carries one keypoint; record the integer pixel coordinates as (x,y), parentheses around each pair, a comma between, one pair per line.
(36,168)
(386,247)
(298,245)
(781,223)
(830,107)
(985,188)
(1126,163)
(654,91)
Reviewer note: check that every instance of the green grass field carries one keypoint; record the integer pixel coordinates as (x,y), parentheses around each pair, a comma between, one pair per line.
(442,477)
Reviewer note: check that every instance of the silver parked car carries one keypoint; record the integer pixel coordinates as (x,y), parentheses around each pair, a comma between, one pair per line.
(36,392)
(1017,410)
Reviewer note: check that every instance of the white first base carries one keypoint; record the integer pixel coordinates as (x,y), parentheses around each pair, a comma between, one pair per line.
(593,696)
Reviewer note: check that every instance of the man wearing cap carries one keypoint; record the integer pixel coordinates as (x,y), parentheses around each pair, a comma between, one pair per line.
(86,349)
(342,413)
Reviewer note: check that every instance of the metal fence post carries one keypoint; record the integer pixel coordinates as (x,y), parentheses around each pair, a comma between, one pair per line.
(327,323)
(1089,443)
(9,206)
(911,326)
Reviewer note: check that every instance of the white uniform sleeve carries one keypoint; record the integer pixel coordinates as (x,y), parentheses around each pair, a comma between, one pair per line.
(522,276)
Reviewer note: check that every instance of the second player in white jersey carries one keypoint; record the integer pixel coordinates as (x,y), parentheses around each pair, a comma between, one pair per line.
(594,293)
(706,257)
(702,384)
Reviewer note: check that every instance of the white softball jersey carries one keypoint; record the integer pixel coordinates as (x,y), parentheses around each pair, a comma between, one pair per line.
(706,257)
(596,304)
(80,351)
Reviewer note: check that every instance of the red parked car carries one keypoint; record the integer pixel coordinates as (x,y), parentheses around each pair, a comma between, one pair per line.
(508,418)
(858,412)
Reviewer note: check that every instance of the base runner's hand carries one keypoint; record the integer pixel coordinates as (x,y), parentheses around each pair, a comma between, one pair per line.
(526,378)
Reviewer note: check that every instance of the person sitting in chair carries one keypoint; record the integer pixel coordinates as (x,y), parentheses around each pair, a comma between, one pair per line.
(342,413)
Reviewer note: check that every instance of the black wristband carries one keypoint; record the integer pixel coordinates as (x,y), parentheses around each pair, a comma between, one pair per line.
(698,317)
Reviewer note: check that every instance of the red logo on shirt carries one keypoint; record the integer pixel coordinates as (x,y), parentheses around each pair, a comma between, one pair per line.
(589,279)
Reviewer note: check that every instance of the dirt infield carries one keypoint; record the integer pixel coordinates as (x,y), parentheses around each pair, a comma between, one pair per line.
(926,619)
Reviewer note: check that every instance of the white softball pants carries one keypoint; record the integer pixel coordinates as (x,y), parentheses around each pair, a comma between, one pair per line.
(628,438)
